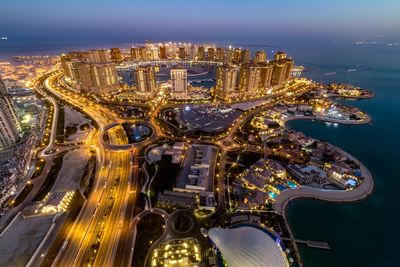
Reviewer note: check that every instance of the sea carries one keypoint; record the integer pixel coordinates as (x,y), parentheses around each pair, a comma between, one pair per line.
(365,233)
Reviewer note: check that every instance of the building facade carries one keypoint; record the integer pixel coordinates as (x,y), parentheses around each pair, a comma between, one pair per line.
(179,83)
(226,84)
(10,127)
(145,79)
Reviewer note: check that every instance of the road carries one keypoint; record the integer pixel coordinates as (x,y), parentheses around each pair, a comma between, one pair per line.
(97,229)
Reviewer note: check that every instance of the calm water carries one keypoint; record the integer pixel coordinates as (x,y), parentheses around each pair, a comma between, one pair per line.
(365,233)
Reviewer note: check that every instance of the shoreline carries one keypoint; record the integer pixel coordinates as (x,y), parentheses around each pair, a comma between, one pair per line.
(358,193)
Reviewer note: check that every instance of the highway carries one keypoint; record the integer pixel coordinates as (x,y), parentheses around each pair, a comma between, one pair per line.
(94,236)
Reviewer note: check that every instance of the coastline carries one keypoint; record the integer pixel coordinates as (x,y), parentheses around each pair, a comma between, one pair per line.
(358,193)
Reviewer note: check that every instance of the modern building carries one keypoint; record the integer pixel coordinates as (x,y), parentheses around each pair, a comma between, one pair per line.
(249,80)
(226,85)
(182,53)
(280,55)
(91,56)
(116,55)
(211,53)
(200,53)
(162,52)
(10,127)
(245,56)
(282,70)
(135,53)
(220,54)
(248,245)
(145,79)
(179,83)
(96,78)
(260,57)
(266,75)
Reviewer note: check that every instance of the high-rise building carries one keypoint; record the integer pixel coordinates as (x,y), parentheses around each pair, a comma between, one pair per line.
(282,70)
(236,56)
(289,67)
(179,83)
(115,54)
(182,53)
(226,85)
(10,127)
(143,53)
(162,52)
(245,56)
(280,55)
(145,79)
(200,53)
(220,54)
(279,71)
(266,75)
(260,57)
(91,56)
(249,80)
(135,53)
(96,78)
(211,54)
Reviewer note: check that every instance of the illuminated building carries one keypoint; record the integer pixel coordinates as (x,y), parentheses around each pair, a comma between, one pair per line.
(245,56)
(162,52)
(210,53)
(135,53)
(115,54)
(278,74)
(280,55)
(282,70)
(220,54)
(96,78)
(179,83)
(143,53)
(91,56)
(145,80)
(182,53)
(200,53)
(152,51)
(226,84)
(9,124)
(266,75)
(249,80)
(260,57)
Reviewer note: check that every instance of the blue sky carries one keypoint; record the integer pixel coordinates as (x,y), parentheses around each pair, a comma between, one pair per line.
(198,20)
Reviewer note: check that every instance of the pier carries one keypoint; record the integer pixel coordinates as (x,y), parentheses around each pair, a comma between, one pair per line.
(310,243)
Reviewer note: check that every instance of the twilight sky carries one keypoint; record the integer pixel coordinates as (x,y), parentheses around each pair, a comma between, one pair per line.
(219,20)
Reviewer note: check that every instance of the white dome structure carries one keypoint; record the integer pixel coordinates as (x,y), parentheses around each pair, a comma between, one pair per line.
(248,246)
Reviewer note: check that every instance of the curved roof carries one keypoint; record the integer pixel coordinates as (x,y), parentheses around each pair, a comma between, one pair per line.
(248,246)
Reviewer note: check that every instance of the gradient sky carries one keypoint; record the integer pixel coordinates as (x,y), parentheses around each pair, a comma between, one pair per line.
(128,20)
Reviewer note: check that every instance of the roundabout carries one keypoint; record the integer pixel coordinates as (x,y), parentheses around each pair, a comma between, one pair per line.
(135,133)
